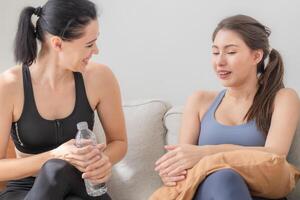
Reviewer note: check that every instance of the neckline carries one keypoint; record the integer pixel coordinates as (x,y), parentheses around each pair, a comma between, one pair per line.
(34,102)
(218,102)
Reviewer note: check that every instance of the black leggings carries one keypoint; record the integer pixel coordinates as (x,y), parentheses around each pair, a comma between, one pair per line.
(57,180)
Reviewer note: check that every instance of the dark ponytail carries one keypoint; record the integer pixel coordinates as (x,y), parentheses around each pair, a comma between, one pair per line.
(270,77)
(25,46)
(63,18)
(270,82)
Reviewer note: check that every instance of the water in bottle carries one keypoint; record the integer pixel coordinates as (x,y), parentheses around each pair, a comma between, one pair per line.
(85,137)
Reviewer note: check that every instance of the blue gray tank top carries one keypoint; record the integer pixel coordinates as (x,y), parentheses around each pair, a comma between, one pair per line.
(212,132)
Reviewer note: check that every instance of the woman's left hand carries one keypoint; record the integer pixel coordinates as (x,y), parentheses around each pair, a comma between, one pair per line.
(99,171)
(178,158)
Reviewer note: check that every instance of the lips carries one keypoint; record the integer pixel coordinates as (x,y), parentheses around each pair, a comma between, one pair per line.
(224,74)
(86,60)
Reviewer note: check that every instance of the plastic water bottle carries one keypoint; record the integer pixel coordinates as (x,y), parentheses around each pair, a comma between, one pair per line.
(85,137)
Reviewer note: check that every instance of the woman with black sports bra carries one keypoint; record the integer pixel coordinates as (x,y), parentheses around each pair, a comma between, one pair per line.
(43,99)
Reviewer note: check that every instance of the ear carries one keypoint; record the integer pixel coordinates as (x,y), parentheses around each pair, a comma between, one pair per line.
(257,56)
(56,43)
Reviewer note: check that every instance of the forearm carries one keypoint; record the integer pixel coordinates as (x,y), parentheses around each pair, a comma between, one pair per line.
(207,150)
(116,150)
(17,168)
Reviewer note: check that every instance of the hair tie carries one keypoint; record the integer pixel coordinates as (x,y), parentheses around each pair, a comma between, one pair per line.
(38,11)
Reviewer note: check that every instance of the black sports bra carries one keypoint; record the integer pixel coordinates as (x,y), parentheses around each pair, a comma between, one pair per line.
(33,134)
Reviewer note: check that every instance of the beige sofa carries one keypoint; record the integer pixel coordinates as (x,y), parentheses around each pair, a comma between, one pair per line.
(150,125)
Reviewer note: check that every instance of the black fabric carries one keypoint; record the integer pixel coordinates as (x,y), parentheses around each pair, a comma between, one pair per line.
(57,180)
(33,134)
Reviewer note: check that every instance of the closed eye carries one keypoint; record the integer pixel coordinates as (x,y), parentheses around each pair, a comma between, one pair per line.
(89,46)
(231,52)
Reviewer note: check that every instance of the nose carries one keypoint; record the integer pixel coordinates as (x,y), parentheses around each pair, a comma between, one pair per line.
(96,50)
(221,59)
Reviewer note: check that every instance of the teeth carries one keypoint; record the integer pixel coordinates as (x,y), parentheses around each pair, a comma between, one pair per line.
(223,73)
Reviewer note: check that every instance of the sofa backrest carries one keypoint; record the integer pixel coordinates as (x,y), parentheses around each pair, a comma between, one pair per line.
(134,178)
(172,121)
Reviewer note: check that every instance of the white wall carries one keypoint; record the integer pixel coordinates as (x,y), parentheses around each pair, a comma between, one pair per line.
(161,48)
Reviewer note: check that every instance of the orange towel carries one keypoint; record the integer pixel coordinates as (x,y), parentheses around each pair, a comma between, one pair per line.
(267,175)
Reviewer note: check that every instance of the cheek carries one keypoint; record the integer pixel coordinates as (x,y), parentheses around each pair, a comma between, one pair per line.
(213,62)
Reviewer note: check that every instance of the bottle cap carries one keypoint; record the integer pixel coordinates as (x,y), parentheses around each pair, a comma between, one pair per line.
(82,125)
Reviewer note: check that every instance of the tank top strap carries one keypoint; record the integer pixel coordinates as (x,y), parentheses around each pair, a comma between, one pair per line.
(81,95)
(27,87)
(212,109)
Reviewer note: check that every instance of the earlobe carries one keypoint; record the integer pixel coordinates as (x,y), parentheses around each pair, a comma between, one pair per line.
(56,43)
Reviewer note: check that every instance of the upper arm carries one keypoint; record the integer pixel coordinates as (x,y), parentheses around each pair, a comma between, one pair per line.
(6,113)
(197,104)
(284,121)
(109,107)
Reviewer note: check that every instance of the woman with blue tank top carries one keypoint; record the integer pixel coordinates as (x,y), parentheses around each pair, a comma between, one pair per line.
(255,111)
(44,97)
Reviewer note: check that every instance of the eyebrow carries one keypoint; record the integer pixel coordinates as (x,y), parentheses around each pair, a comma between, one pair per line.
(227,46)
(91,41)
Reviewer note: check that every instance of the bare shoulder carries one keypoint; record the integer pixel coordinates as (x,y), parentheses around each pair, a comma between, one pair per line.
(100,82)
(10,80)
(287,96)
(202,97)
(201,100)
(98,72)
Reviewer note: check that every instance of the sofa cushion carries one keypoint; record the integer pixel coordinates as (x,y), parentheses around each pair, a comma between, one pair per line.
(172,122)
(134,178)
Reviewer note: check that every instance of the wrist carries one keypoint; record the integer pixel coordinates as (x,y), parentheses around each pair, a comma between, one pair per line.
(52,154)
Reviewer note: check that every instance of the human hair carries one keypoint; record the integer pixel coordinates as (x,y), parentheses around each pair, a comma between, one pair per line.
(270,75)
(63,18)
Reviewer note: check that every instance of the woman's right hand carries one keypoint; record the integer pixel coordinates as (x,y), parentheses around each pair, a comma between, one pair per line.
(172,180)
(78,157)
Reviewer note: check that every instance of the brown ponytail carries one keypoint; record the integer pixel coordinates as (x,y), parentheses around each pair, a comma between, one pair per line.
(270,82)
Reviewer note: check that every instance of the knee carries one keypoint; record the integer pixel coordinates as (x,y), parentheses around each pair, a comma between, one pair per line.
(227,176)
(228,183)
(56,168)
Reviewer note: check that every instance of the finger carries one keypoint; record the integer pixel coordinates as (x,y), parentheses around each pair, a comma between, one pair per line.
(170,147)
(184,172)
(174,178)
(171,168)
(77,163)
(165,157)
(175,171)
(98,172)
(168,183)
(82,150)
(84,153)
(99,163)
(167,163)
(94,153)
(77,166)
(101,147)
(101,180)
(100,176)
